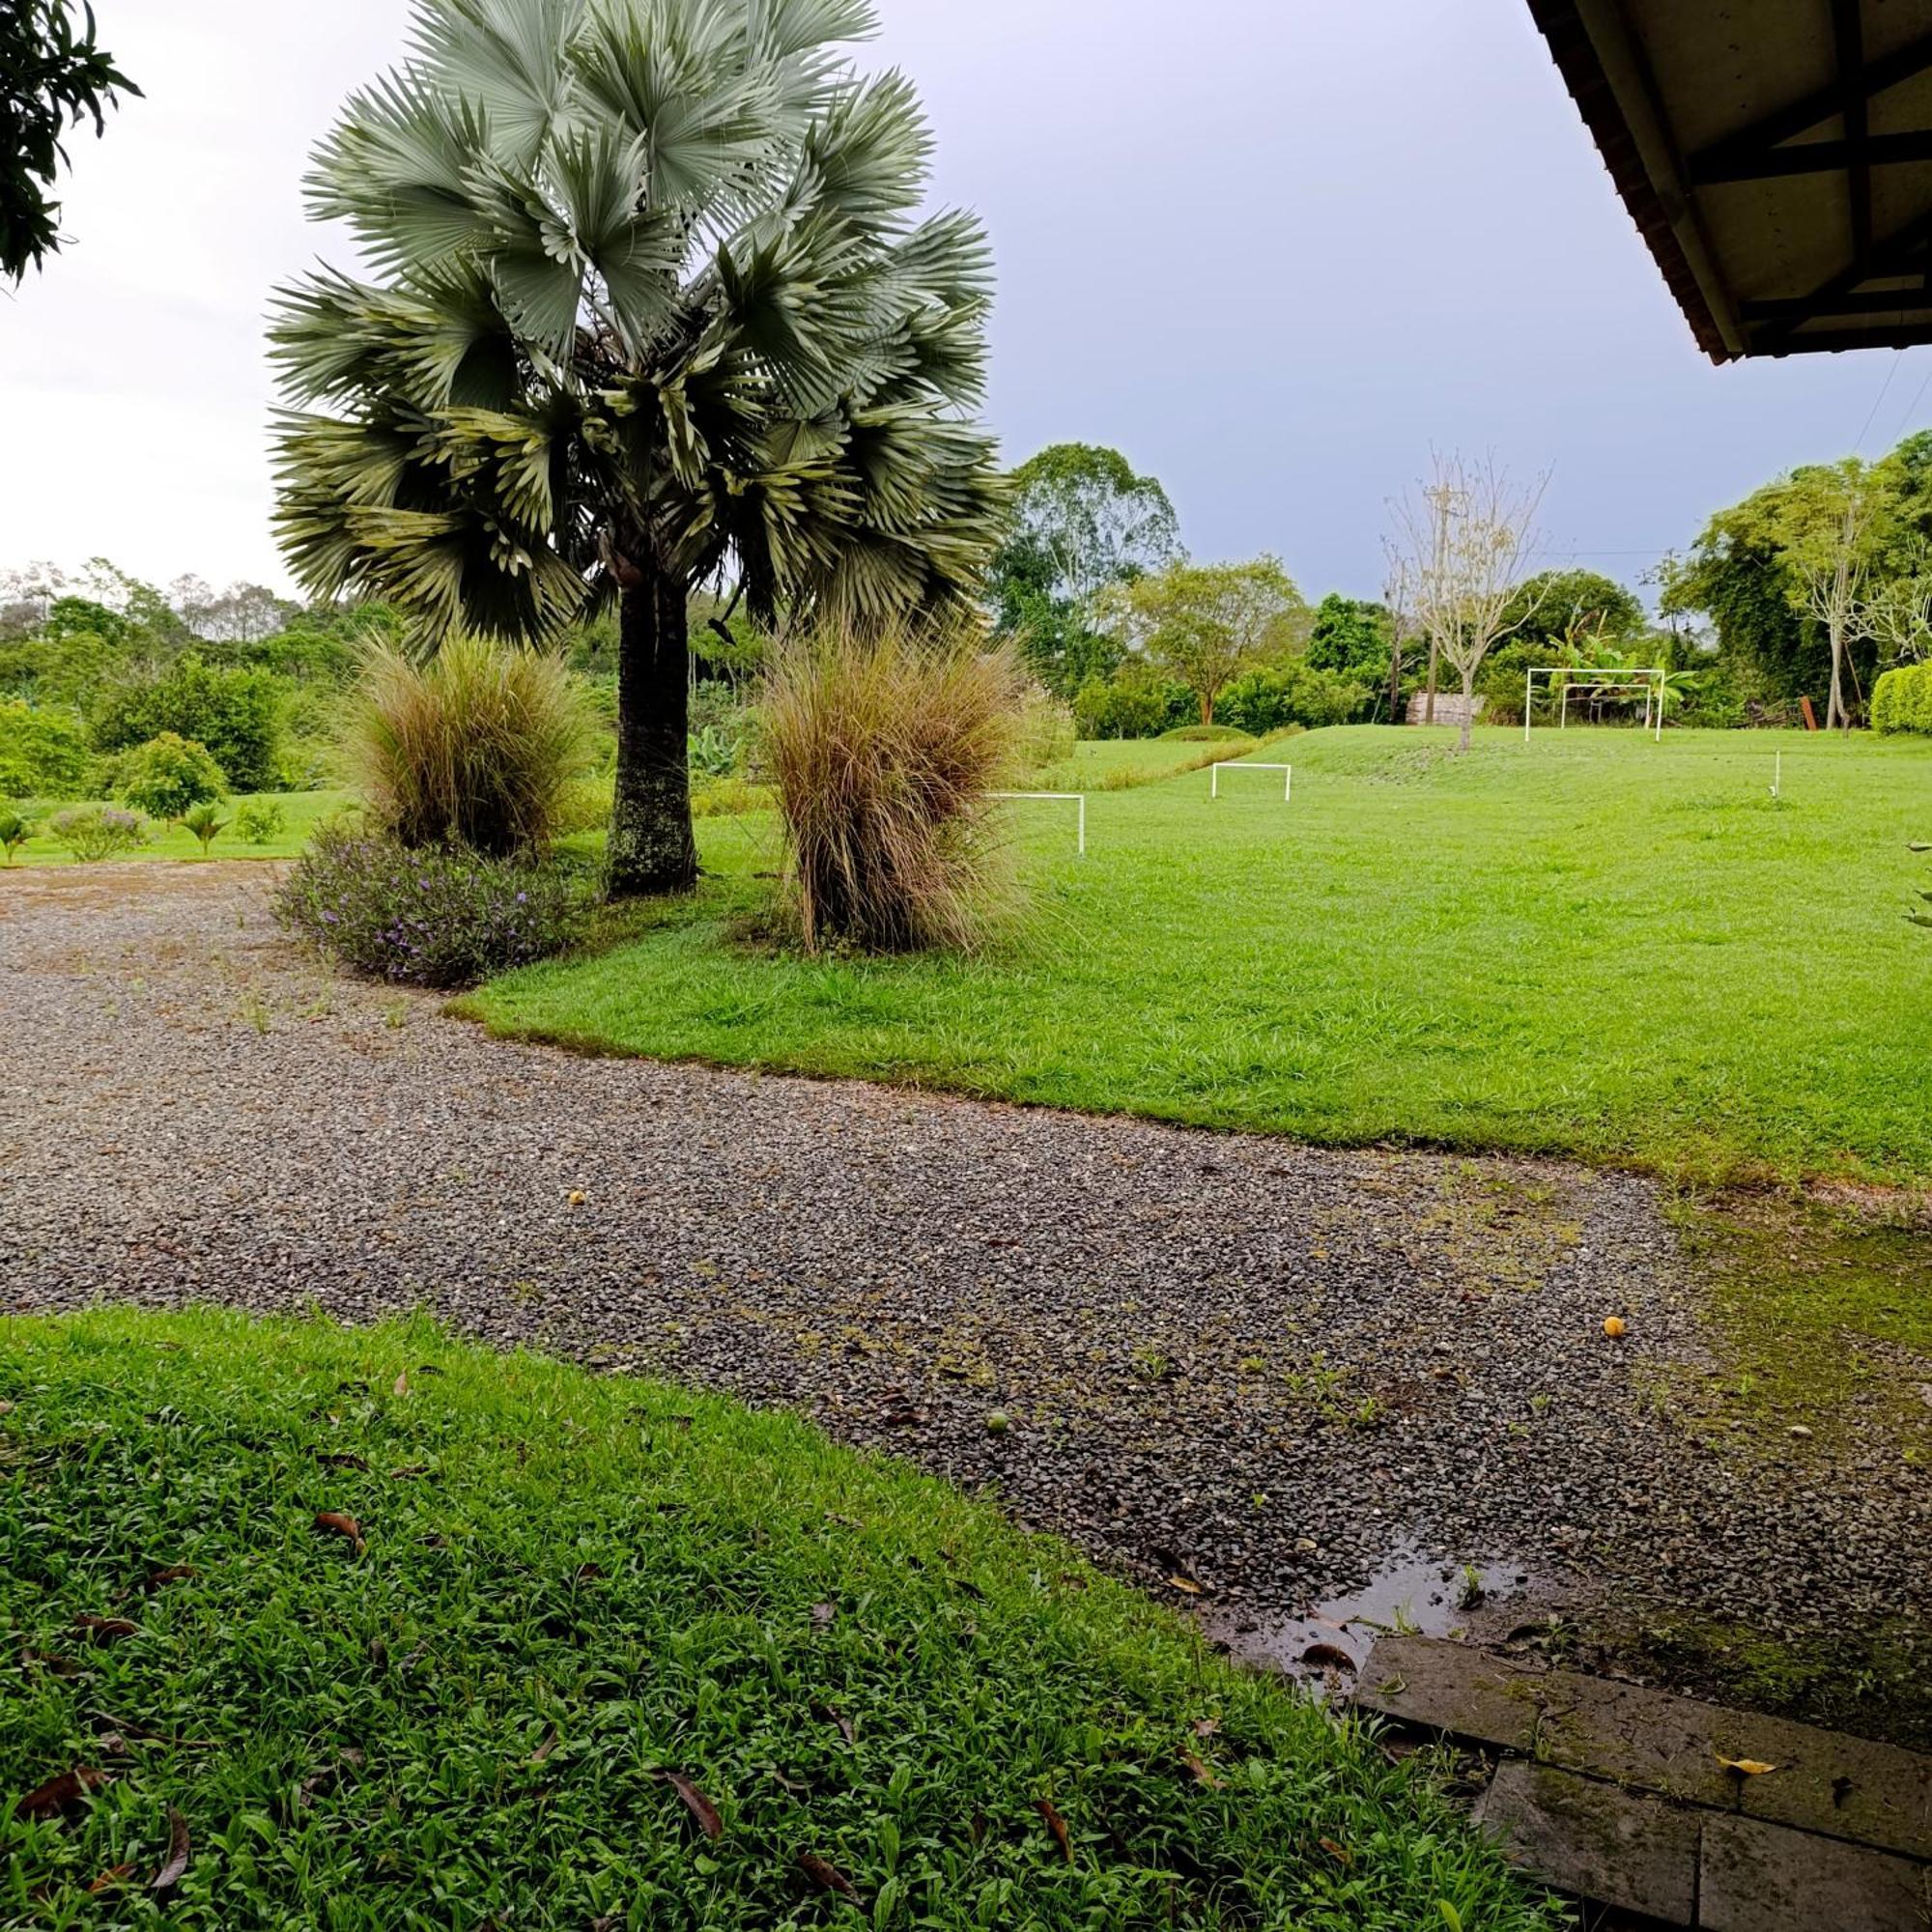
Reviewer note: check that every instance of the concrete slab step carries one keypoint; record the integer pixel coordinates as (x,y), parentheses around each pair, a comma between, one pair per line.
(1825,1782)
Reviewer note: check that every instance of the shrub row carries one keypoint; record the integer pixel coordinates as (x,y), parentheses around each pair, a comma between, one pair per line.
(1902,700)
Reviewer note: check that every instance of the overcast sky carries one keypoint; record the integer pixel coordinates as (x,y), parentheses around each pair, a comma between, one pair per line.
(1273,249)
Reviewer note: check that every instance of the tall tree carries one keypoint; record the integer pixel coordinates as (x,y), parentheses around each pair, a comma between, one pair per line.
(53,77)
(656,307)
(1205,623)
(1467,535)
(1082,520)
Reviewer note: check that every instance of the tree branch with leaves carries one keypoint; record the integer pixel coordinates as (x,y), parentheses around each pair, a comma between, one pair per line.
(54,76)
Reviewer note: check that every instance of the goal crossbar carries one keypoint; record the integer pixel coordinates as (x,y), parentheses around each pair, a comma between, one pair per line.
(1078,798)
(1596,683)
(1246,765)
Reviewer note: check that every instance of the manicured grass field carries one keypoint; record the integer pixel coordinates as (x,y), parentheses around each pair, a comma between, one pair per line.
(301,812)
(370,1629)
(1591,945)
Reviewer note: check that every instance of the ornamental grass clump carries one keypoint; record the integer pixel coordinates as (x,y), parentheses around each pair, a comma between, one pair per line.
(438,917)
(882,752)
(480,747)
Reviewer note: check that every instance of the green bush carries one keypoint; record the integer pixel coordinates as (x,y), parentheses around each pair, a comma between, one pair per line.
(16,826)
(478,749)
(730,798)
(1207,734)
(96,831)
(43,753)
(167,777)
(1291,691)
(1136,703)
(440,918)
(259,822)
(237,714)
(1902,700)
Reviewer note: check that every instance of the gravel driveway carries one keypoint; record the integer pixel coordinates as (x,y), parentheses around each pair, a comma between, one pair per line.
(1260,1368)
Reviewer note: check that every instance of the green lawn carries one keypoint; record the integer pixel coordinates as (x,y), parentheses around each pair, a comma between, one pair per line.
(372,1630)
(1591,945)
(301,812)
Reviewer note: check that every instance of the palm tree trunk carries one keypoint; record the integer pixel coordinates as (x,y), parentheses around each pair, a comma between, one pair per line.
(652,846)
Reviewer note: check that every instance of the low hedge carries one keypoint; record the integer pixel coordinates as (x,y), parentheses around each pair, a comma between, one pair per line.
(1902,700)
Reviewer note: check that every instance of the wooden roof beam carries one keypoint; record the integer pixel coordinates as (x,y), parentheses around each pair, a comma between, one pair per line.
(1848,32)
(1786,124)
(1813,158)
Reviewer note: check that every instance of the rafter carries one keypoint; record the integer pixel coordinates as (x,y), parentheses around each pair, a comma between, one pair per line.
(1898,254)
(1801,116)
(1813,158)
(1848,32)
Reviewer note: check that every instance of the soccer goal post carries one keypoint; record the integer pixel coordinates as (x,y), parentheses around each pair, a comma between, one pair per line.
(1243,765)
(1650,684)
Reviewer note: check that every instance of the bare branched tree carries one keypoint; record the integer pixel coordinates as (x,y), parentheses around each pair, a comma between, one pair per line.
(1466,537)
(1399,600)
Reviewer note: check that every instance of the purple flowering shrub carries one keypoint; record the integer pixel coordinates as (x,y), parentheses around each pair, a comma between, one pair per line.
(96,831)
(440,917)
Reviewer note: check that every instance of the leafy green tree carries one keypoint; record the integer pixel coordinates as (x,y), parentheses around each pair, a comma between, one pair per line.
(1353,638)
(168,776)
(655,305)
(237,714)
(1204,624)
(1082,520)
(1564,608)
(43,752)
(53,75)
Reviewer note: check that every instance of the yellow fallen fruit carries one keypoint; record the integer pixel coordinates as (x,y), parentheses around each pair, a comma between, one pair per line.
(577,1197)
(1615,1328)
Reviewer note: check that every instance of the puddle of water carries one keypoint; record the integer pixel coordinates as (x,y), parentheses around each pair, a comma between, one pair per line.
(1414,1594)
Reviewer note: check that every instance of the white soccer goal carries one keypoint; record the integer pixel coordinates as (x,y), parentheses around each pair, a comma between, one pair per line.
(1243,765)
(1051,798)
(1587,683)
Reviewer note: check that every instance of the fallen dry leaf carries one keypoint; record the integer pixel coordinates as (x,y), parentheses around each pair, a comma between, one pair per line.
(332,1522)
(703,1812)
(1327,1656)
(170,1874)
(1057,1825)
(1186,1585)
(339,1460)
(175,1572)
(829,1714)
(1206,1727)
(1201,1773)
(827,1877)
(61,1794)
(400,1385)
(107,1630)
(114,1875)
(1341,1854)
(1746,1767)
(543,1749)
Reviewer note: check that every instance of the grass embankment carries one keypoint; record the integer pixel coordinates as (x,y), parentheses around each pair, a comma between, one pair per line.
(301,811)
(400,1633)
(1592,945)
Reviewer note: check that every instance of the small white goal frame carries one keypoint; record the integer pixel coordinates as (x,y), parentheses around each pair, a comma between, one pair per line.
(1586,679)
(1243,765)
(1078,798)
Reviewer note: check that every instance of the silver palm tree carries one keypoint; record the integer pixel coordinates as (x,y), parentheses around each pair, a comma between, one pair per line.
(651,304)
